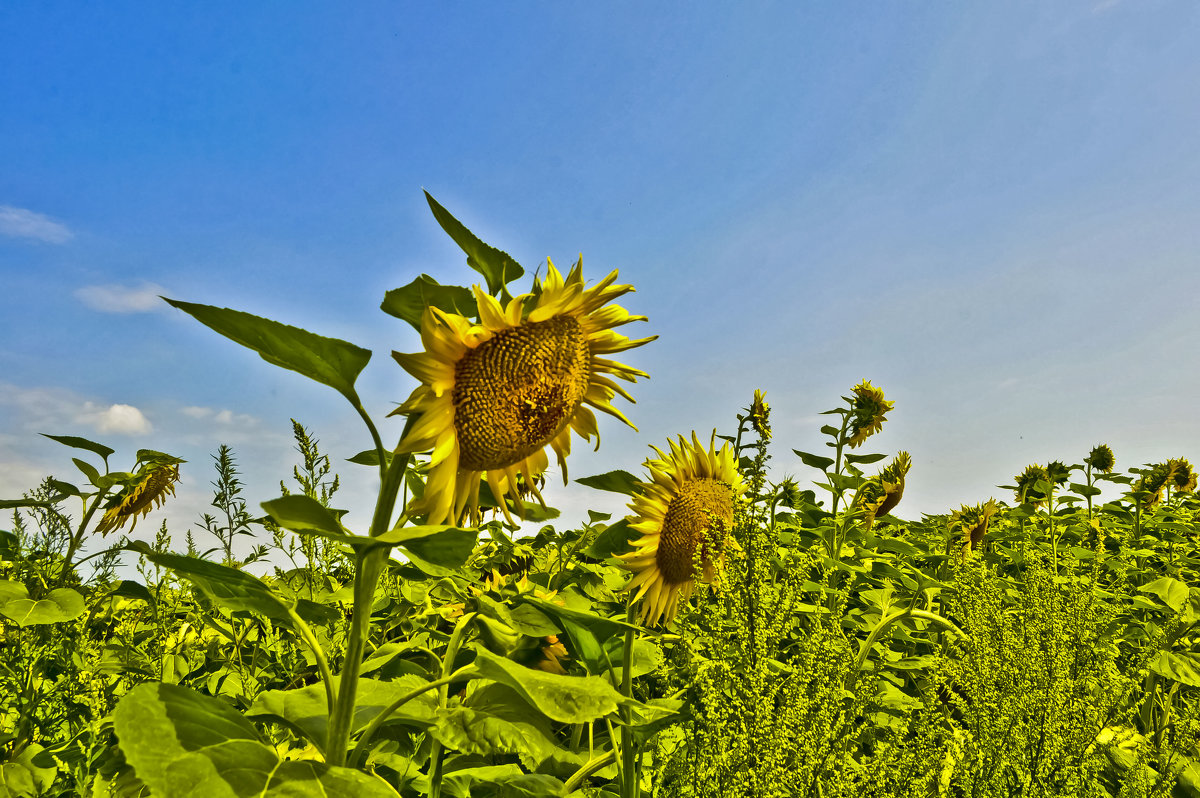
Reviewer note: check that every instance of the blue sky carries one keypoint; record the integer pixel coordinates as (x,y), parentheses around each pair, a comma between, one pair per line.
(992,210)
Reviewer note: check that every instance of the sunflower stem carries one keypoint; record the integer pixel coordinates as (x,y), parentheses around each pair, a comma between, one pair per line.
(629,780)
(368,565)
(435,751)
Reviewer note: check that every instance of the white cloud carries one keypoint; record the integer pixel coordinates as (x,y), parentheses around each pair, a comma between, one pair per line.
(119,419)
(142,298)
(196,412)
(22,223)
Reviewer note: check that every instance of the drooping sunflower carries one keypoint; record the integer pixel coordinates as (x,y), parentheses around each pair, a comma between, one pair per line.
(149,489)
(683,514)
(1101,459)
(971,523)
(1027,491)
(880,494)
(867,411)
(495,393)
(1183,476)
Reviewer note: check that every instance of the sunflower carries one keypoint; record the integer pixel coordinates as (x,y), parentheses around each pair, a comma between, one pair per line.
(1027,491)
(972,523)
(1101,459)
(879,495)
(147,490)
(759,415)
(1183,477)
(683,514)
(494,394)
(867,411)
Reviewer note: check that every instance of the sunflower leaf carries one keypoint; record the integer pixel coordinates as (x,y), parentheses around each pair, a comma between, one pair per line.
(187,745)
(233,589)
(814,460)
(615,539)
(437,550)
(408,302)
(81,443)
(616,481)
(329,361)
(497,267)
(566,699)
(63,604)
(300,512)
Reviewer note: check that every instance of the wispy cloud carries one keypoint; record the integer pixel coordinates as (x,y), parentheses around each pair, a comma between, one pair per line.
(22,223)
(45,409)
(224,417)
(143,298)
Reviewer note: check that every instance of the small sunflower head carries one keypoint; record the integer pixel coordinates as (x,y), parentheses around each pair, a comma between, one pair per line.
(867,411)
(1153,481)
(788,492)
(971,523)
(760,415)
(148,489)
(1027,491)
(1057,472)
(1183,476)
(892,479)
(1101,459)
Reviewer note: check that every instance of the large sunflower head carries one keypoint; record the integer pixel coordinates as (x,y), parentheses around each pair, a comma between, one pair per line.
(496,392)
(867,411)
(148,489)
(683,514)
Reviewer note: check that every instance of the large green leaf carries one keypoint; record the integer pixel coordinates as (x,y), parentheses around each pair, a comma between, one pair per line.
(1177,667)
(566,699)
(409,302)
(815,460)
(305,514)
(10,591)
(81,443)
(616,538)
(1173,592)
(616,481)
(437,550)
(329,361)
(306,710)
(63,604)
(185,745)
(498,268)
(233,589)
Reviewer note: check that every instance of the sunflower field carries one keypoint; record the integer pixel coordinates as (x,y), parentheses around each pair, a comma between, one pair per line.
(730,636)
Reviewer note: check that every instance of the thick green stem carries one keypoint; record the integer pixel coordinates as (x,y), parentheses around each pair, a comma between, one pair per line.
(591,766)
(368,565)
(435,750)
(630,788)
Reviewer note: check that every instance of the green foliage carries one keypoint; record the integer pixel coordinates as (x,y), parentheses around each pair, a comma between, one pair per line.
(1057,653)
